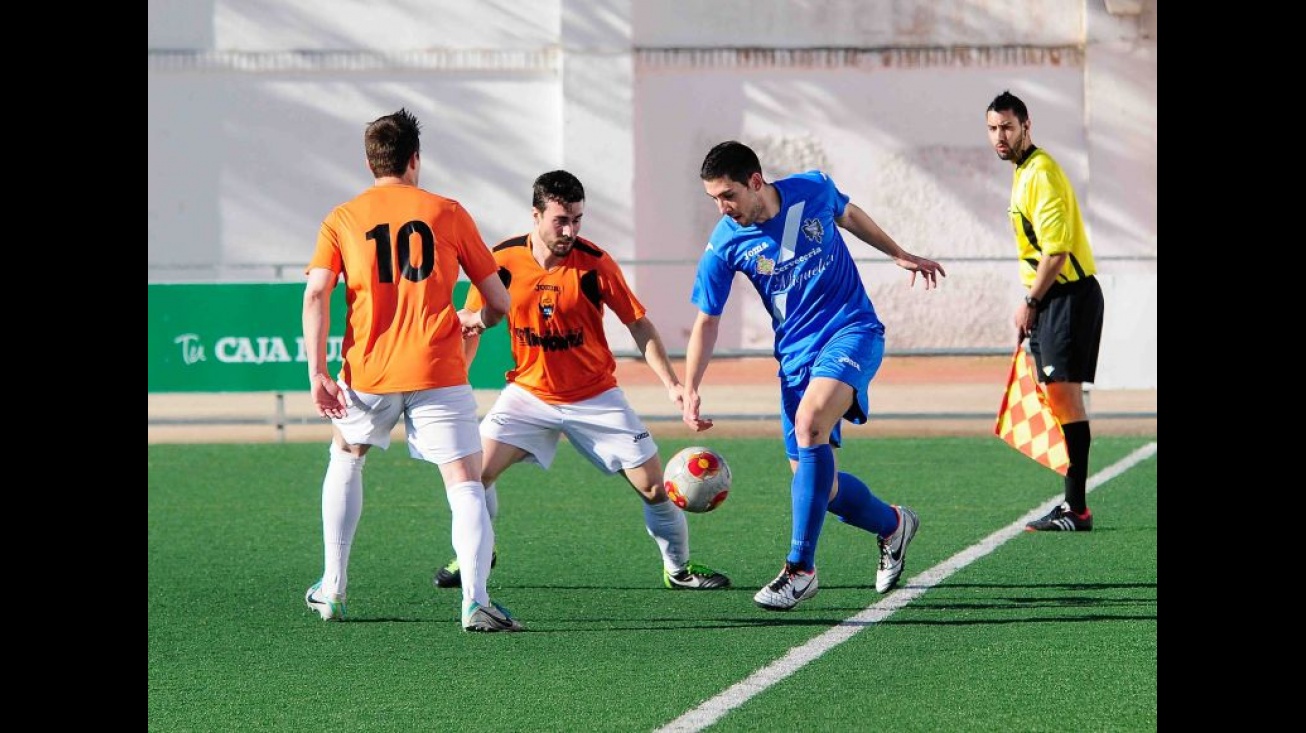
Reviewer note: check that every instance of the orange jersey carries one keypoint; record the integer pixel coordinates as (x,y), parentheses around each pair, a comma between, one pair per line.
(400,248)
(556,319)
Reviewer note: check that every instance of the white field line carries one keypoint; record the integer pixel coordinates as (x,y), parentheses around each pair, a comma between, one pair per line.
(716,708)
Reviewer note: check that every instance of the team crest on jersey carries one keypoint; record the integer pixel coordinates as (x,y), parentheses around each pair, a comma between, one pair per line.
(813,229)
(765,266)
(547,305)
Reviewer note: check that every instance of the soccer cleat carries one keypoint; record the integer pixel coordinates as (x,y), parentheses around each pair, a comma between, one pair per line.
(1061,519)
(893,550)
(788,588)
(489,618)
(450,577)
(329,607)
(695,577)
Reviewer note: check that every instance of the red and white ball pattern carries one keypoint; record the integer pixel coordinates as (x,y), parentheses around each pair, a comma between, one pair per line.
(697,479)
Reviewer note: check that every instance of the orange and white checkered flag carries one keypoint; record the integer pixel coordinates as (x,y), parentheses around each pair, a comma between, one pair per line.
(1025,421)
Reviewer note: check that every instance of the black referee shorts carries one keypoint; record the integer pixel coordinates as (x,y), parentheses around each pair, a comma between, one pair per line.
(1068,331)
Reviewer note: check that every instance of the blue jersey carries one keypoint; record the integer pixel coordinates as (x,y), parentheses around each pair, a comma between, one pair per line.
(798,263)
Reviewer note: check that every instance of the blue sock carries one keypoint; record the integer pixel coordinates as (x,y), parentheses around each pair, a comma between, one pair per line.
(810,494)
(856,505)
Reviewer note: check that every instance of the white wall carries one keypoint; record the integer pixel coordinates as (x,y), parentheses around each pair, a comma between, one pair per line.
(244,166)
(257,107)
(908,145)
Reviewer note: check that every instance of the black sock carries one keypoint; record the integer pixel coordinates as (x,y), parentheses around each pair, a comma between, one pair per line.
(1078,440)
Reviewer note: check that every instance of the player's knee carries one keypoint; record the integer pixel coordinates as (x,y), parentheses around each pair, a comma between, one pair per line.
(1066,400)
(343,449)
(655,494)
(808,432)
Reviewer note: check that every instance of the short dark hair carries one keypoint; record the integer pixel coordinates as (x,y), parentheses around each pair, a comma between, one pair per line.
(730,159)
(390,142)
(559,186)
(1008,102)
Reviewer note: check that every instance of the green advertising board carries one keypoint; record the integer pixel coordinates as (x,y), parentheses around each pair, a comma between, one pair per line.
(248,337)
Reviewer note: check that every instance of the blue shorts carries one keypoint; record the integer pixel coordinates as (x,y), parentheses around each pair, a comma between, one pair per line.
(852,357)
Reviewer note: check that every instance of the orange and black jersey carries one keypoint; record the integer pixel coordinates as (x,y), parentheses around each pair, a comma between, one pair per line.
(399,249)
(1047,220)
(559,349)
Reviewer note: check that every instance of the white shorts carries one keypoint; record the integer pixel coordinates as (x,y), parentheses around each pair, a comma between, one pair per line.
(605,428)
(441,423)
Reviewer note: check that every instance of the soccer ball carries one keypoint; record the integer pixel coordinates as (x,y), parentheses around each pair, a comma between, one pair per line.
(697,479)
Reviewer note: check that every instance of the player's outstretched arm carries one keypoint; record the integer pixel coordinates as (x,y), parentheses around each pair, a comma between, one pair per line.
(698,352)
(862,226)
(649,343)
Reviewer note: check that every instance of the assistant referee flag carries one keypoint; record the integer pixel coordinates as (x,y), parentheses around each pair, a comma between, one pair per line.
(1025,421)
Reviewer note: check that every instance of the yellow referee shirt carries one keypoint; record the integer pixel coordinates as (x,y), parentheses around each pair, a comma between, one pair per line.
(1046,218)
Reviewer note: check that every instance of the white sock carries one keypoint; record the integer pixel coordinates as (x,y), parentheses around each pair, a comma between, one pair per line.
(492,501)
(342,505)
(667,526)
(473,539)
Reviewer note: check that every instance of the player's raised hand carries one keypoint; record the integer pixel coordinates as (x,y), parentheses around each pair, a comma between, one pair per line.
(929,270)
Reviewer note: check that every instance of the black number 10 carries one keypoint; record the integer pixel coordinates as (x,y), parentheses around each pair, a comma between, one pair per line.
(385,257)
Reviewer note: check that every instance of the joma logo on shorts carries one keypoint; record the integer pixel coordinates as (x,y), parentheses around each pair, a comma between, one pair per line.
(850,362)
(641,436)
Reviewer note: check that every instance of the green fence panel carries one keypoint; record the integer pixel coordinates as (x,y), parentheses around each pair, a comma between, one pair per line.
(248,337)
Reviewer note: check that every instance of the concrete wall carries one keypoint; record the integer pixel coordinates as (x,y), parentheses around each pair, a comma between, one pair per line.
(257,107)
